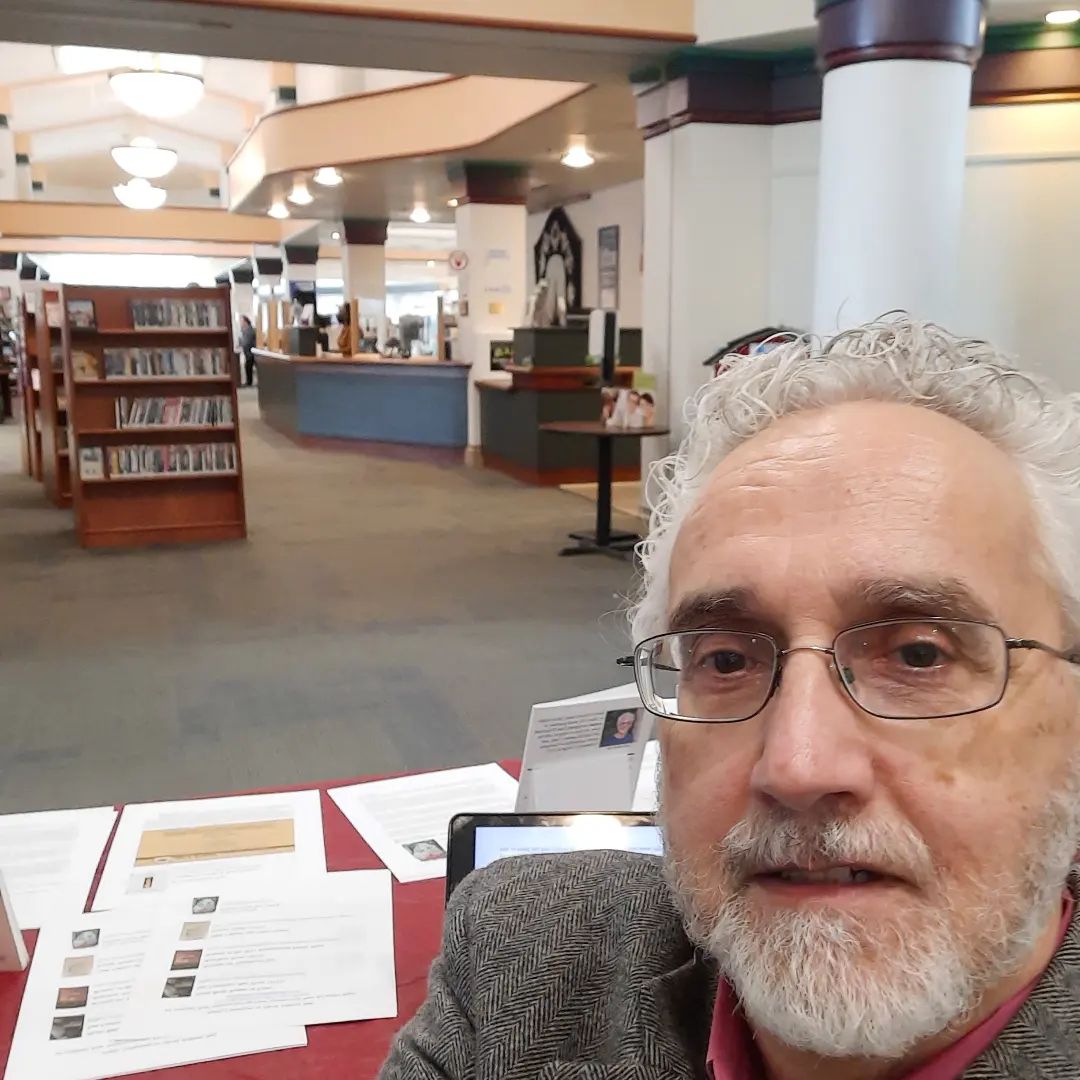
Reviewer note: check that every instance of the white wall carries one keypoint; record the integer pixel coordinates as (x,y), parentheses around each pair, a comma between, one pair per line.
(1020,250)
(623,206)
(322,82)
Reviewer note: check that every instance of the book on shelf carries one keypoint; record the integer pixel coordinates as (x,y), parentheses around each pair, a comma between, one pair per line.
(35,378)
(173,411)
(135,363)
(84,365)
(190,459)
(56,356)
(177,315)
(92,463)
(54,313)
(81,314)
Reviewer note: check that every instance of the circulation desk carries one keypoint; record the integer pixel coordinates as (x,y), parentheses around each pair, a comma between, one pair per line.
(422,402)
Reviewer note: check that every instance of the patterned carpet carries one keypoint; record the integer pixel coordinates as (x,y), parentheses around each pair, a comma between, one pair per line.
(384,615)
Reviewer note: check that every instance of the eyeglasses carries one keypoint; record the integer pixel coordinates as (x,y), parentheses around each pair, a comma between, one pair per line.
(900,669)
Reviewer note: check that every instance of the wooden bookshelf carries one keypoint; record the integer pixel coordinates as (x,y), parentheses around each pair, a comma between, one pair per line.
(134,509)
(28,379)
(52,347)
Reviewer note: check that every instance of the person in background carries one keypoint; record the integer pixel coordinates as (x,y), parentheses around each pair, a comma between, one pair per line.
(247,347)
(858,624)
(344,318)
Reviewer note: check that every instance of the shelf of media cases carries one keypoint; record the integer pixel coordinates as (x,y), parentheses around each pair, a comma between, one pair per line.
(159,480)
(420,402)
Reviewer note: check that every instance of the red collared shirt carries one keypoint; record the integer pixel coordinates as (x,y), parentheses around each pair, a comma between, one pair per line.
(733,1056)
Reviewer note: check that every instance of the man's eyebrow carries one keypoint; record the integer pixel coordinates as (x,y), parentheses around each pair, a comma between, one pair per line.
(947,598)
(711,609)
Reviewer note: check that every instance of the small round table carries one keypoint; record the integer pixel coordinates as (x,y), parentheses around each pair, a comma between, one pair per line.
(603,539)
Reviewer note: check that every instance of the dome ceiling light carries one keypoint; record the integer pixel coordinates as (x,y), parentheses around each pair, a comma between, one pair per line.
(420,214)
(162,95)
(139,194)
(328,176)
(143,157)
(279,210)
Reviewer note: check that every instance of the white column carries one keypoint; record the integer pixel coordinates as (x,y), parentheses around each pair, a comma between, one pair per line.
(8,182)
(707,222)
(363,273)
(491,288)
(891,190)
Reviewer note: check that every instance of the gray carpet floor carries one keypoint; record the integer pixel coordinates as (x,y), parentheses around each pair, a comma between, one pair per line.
(384,615)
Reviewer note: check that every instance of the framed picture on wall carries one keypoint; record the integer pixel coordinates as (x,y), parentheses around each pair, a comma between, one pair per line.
(607,263)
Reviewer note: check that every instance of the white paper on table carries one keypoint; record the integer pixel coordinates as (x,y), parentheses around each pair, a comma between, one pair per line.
(168,845)
(320,952)
(406,819)
(48,859)
(646,796)
(77,993)
(584,753)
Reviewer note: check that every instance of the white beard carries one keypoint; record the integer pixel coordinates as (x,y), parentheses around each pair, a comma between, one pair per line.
(845,986)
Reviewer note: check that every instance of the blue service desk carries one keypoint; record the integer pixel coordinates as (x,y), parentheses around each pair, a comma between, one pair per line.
(417,402)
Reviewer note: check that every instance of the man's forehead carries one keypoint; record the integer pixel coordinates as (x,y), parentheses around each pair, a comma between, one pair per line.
(865,490)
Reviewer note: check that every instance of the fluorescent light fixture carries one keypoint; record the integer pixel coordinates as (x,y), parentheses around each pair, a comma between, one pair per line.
(453,202)
(300,194)
(577,155)
(335,235)
(162,95)
(1065,17)
(139,194)
(279,210)
(420,214)
(328,176)
(143,157)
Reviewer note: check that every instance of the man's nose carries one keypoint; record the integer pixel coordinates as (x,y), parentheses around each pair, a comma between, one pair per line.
(814,746)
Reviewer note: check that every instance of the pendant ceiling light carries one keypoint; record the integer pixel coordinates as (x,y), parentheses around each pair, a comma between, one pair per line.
(139,194)
(300,194)
(279,210)
(420,214)
(160,94)
(577,155)
(143,157)
(328,176)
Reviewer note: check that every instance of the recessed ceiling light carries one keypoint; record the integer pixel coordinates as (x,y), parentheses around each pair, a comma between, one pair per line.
(279,210)
(328,176)
(300,194)
(1065,17)
(577,155)
(420,214)
(335,235)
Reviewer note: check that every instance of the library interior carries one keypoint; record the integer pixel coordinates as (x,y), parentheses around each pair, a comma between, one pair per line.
(346,351)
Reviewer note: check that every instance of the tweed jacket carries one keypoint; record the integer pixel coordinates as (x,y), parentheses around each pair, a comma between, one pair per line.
(577,967)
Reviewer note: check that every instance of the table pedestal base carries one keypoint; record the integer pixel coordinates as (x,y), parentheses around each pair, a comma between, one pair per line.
(588,543)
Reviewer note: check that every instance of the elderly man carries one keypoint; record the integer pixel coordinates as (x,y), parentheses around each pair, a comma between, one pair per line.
(857,623)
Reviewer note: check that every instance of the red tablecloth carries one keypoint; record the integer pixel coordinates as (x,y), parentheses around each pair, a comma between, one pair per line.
(333,1051)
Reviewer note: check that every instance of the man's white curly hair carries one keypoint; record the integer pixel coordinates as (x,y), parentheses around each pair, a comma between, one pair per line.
(897,360)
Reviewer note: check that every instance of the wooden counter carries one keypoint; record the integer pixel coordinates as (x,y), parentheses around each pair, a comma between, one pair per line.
(420,402)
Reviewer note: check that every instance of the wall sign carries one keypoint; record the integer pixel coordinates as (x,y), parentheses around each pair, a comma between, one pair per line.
(607,261)
(557,258)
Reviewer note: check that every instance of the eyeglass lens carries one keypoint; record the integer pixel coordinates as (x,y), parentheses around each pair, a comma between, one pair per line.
(900,670)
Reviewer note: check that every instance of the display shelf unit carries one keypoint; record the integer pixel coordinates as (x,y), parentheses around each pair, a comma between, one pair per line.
(29,383)
(52,347)
(129,510)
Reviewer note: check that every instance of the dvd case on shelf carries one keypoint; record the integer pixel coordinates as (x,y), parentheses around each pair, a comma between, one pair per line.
(198,458)
(177,315)
(173,412)
(146,363)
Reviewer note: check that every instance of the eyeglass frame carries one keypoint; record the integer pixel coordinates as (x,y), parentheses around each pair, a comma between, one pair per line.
(1011,644)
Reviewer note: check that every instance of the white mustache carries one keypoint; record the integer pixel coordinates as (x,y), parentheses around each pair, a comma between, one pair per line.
(766,840)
